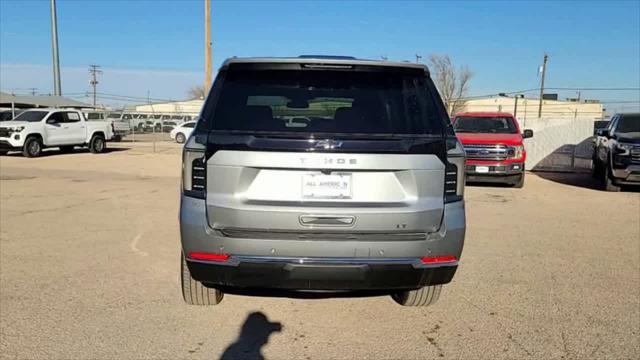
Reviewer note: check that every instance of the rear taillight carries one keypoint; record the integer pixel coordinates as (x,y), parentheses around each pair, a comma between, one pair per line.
(208,256)
(454,172)
(194,173)
(438,259)
(198,174)
(450,183)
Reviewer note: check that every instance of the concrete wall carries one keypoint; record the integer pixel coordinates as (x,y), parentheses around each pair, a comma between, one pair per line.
(560,144)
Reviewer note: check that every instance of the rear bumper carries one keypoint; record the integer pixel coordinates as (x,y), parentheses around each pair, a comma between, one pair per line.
(307,274)
(327,264)
(496,173)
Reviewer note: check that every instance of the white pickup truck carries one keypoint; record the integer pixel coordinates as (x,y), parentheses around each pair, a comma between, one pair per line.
(36,129)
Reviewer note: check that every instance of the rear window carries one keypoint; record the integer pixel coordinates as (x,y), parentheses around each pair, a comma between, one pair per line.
(482,124)
(326,102)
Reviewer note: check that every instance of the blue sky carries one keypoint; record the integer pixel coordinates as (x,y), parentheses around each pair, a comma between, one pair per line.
(157,46)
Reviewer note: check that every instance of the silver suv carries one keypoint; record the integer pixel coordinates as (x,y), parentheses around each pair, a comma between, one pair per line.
(324,174)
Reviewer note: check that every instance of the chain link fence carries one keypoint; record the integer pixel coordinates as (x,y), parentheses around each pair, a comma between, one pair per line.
(135,126)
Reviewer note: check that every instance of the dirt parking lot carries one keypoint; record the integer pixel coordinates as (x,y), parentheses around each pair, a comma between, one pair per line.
(89,268)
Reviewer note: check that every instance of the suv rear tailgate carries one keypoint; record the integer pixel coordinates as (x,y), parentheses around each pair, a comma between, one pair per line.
(249,192)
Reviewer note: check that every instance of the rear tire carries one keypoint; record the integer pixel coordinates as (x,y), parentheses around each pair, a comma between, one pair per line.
(180,138)
(3,152)
(193,292)
(32,147)
(97,144)
(520,183)
(607,180)
(425,296)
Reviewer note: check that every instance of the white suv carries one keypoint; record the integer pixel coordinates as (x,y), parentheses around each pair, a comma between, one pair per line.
(36,129)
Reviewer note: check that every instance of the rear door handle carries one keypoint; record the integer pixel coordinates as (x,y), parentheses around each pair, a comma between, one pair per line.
(327,220)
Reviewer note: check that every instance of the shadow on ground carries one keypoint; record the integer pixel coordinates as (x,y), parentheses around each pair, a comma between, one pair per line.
(488,184)
(253,336)
(271,293)
(579,179)
(56,152)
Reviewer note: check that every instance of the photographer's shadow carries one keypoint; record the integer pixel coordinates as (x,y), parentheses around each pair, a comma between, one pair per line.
(253,336)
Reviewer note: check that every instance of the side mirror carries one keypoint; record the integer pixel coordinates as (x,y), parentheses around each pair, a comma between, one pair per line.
(51,121)
(527,133)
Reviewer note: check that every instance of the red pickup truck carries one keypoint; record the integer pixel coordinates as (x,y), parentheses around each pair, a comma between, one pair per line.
(493,145)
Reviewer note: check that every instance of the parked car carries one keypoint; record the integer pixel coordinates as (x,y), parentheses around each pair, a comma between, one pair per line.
(138,122)
(368,195)
(169,125)
(147,126)
(616,158)
(182,132)
(494,147)
(121,126)
(160,121)
(36,129)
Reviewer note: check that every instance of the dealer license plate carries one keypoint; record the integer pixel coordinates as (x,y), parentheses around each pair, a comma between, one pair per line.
(321,186)
(482,169)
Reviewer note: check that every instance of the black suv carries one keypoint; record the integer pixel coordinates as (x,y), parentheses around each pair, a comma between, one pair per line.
(616,158)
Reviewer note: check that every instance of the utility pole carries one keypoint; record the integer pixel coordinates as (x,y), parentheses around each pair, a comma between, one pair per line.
(207,46)
(54,45)
(544,71)
(418,57)
(33,91)
(515,106)
(94,71)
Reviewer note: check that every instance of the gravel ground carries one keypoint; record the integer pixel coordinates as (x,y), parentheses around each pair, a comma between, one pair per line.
(89,266)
